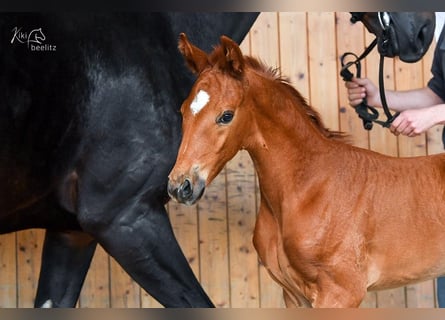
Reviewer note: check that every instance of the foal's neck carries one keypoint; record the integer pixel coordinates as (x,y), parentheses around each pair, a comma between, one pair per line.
(290,136)
(285,123)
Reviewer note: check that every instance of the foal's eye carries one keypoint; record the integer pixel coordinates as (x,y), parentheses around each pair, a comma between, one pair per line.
(225,118)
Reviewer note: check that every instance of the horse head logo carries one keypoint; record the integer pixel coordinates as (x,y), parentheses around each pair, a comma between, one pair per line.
(36,36)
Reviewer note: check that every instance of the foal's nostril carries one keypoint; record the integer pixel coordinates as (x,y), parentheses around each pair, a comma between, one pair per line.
(185,190)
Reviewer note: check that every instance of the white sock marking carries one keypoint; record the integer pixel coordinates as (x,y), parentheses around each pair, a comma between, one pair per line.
(48,304)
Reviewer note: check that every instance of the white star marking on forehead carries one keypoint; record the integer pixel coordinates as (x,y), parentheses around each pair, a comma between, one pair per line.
(200,101)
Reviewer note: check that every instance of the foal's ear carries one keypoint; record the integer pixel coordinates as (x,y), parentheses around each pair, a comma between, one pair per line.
(196,58)
(233,56)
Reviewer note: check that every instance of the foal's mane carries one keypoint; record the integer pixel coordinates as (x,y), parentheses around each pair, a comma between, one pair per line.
(274,74)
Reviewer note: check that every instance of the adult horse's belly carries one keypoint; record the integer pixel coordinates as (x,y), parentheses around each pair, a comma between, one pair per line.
(20,189)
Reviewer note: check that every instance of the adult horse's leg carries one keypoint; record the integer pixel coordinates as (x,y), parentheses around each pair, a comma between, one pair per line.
(141,239)
(66,257)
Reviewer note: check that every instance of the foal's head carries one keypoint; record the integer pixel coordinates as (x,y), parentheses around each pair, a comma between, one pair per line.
(213,118)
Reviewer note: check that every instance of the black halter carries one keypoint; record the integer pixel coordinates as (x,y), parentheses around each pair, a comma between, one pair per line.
(366,112)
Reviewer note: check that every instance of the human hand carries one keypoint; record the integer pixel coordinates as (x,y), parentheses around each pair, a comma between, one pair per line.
(360,88)
(413,122)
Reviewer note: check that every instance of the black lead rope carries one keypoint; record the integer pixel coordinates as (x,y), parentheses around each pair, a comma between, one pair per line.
(367,113)
(389,116)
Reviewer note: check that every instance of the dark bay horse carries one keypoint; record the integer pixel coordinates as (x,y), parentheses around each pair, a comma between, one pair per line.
(334,220)
(89,129)
(406,35)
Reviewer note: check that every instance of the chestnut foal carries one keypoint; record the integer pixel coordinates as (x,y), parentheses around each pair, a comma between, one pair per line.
(335,220)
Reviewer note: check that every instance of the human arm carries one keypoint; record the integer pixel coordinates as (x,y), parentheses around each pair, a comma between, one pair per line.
(413,122)
(420,109)
(360,88)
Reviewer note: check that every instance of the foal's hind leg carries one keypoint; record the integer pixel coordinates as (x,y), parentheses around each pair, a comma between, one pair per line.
(66,258)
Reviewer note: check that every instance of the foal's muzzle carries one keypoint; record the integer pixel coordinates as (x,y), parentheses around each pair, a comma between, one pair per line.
(185,191)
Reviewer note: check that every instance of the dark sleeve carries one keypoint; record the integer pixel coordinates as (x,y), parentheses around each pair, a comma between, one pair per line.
(437,82)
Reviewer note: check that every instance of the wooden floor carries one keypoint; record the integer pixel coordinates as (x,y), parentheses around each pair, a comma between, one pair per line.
(216,234)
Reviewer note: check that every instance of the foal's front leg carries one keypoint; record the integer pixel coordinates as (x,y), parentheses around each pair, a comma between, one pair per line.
(295,300)
(348,294)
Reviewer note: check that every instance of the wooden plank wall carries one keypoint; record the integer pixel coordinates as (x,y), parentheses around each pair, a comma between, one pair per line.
(216,234)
